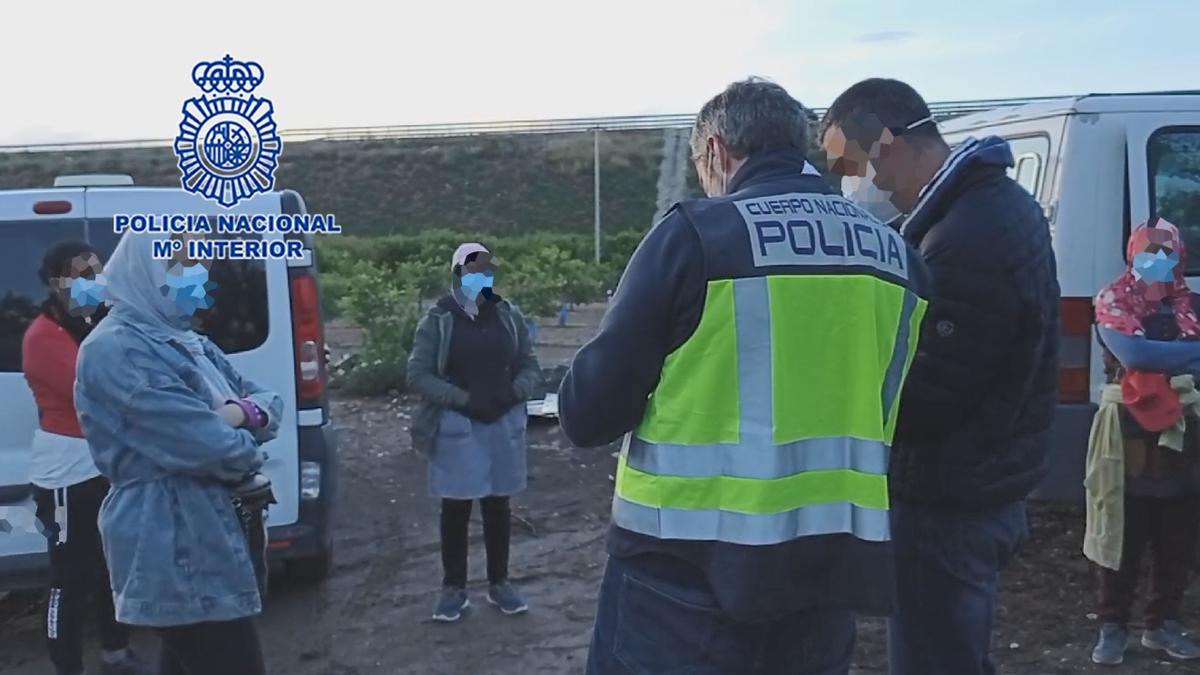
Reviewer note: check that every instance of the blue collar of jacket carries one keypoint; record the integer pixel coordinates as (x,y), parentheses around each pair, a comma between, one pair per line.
(771,165)
(989,151)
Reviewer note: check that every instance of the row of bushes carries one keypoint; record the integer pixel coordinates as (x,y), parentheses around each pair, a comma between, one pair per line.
(383,285)
(487,183)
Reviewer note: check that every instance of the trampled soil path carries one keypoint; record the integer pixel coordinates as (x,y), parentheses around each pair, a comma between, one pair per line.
(372,616)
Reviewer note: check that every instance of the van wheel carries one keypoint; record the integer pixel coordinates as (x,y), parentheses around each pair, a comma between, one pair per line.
(311,570)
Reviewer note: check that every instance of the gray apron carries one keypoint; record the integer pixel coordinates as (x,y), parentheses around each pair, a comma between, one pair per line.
(473,459)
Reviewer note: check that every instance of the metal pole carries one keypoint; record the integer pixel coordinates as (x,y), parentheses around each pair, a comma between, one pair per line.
(596,185)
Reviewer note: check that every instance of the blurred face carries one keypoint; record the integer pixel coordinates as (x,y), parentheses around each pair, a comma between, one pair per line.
(859,153)
(81,286)
(890,162)
(181,256)
(844,157)
(477,277)
(1155,258)
(187,281)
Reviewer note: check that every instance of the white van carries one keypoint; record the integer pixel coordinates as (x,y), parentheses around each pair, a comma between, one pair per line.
(266,317)
(1097,164)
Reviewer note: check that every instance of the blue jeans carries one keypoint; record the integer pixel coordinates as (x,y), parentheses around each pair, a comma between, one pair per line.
(948,571)
(652,625)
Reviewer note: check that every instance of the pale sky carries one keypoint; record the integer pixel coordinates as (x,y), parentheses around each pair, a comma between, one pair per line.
(120,69)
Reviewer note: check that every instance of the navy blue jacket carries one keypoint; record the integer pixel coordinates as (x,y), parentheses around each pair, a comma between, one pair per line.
(975,415)
(656,308)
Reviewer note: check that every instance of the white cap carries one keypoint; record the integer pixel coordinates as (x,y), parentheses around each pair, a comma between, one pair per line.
(464,250)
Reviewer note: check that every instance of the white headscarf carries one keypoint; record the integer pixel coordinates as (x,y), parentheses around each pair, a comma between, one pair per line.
(136,293)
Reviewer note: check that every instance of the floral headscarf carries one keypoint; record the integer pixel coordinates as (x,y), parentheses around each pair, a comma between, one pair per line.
(1156,257)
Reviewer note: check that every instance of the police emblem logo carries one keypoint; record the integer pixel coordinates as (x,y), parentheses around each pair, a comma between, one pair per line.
(227,146)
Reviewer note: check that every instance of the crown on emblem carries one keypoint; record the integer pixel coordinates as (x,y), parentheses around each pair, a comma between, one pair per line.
(227,75)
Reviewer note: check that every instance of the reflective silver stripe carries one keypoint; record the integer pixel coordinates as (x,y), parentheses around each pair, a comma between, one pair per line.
(895,371)
(755,456)
(752,316)
(758,459)
(52,609)
(752,529)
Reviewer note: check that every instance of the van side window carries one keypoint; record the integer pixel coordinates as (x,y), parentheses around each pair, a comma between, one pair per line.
(1029,153)
(22,245)
(238,319)
(1173,155)
(1028,172)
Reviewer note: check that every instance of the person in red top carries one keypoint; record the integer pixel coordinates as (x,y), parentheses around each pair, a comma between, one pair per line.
(68,488)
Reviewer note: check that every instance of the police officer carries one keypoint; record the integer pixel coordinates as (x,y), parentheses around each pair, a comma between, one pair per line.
(752,357)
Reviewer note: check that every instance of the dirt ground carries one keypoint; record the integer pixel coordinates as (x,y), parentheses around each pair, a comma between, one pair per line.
(372,616)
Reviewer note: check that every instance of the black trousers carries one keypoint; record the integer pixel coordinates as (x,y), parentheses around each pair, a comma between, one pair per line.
(214,648)
(456,518)
(78,573)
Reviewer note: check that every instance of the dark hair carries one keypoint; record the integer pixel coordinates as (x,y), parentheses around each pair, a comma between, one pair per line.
(54,262)
(867,108)
(751,116)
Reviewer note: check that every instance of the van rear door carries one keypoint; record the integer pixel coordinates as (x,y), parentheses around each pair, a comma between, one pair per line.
(30,222)
(1164,175)
(250,320)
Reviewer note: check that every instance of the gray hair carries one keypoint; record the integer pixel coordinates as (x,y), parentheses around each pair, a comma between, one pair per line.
(750,116)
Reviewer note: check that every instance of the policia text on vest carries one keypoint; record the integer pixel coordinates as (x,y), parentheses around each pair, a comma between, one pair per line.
(800,228)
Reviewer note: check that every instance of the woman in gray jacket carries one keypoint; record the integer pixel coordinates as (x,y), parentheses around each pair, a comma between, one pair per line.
(472,362)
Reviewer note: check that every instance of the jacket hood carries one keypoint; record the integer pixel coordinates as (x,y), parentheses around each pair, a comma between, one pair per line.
(136,280)
(989,152)
(993,151)
(1131,298)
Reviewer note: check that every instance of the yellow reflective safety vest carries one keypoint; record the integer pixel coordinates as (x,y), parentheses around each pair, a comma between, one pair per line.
(773,421)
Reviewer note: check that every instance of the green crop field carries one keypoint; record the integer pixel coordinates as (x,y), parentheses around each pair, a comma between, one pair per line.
(405,204)
(489,184)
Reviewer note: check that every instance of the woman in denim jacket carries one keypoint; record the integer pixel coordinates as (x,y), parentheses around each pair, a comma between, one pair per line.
(172,425)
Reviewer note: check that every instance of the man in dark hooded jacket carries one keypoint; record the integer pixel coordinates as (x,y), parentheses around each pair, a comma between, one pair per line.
(975,415)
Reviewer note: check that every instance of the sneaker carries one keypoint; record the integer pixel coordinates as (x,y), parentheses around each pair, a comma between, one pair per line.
(506,598)
(1110,649)
(130,664)
(1172,639)
(451,605)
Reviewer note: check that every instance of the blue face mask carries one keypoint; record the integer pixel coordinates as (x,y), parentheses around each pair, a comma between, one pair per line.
(474,283)
(188,287)
(1155,267)
(87,294)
